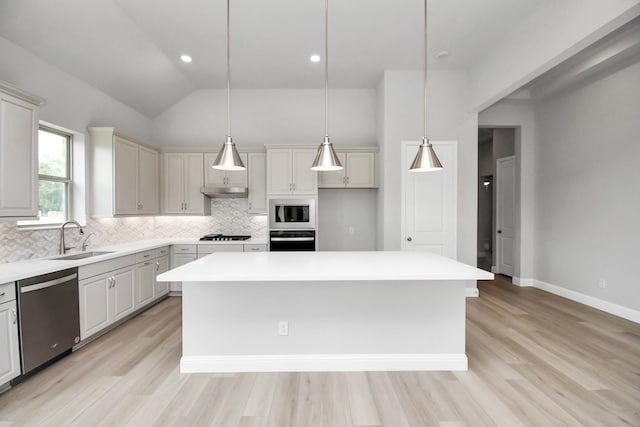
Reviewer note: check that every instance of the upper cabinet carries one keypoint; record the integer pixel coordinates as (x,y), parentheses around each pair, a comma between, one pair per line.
(359,172)
(125,175)
(18,152)
(289,171)
(220,178)
(182,180)
(257,183)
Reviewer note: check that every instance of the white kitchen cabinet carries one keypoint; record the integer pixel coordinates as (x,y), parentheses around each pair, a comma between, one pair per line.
(162,266)
(257,183)
(359,172)
(9,344)
(105,299)
(221,178)
(289,171)
(19,152)
(125,175)
(183,177)
(145,283)
(204,250)
(181,255)
(252,247)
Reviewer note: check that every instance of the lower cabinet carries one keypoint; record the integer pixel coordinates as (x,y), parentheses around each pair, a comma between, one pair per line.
(145,283)
(9,345)
(106,298)
(181,255)
(162,266)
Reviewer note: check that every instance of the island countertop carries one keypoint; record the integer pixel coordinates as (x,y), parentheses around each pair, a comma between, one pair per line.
(323,266)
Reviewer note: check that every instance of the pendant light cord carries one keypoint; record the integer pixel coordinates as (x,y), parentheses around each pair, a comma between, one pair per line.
(326,68)
(228,77)
(425,68)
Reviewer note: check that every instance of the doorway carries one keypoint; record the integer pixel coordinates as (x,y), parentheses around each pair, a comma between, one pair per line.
(494,144)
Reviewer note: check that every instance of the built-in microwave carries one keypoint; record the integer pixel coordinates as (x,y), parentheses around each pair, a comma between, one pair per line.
(292,214)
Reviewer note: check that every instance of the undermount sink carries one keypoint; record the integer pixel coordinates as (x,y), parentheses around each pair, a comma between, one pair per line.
(80,255)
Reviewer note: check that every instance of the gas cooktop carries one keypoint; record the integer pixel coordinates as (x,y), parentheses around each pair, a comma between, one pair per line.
(219,237)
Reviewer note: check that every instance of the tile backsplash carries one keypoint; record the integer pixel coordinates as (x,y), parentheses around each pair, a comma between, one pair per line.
(228,216)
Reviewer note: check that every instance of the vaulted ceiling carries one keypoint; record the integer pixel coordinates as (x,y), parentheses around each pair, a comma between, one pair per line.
(130,49)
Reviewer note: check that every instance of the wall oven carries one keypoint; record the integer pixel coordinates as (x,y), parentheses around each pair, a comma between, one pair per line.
(292,214)
(292,240)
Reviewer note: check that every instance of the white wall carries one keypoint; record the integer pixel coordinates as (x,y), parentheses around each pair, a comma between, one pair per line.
(448,119)
(347,219)
(269,117)
(71,103)
(588,203)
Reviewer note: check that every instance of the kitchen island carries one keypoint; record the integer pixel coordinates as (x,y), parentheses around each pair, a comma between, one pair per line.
(323,311)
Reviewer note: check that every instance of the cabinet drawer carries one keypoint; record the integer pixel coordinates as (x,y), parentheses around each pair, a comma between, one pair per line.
(160,252)
(7,292)
(184,249)
(209,249)
(97,268)
(255,248)
(145,256)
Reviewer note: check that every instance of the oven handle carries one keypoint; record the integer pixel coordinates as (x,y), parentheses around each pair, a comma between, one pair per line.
(292,239)
(48,284)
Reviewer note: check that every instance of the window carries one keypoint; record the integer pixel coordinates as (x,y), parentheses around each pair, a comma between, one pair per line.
(54,177)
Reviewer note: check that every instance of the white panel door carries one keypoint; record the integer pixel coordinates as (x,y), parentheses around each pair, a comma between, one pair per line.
(122,293)
(18,158)
(505,214)
(305,180)
(238,178)
(148,176)
(279,174)
(193,179)
(213,177)
(173,185)
(257,183)
(125,177)
(162,266)
(430,202)
(145,283)
(334,179)
(94,313)
(9,351)
(360,170)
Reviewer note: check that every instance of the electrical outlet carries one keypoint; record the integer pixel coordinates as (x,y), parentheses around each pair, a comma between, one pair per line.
(352,230)
(602,284)
(283,327)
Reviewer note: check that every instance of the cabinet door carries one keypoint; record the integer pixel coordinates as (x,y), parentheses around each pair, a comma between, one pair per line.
(360,168)
(94,313)
(238,178)
(194,177)
(9,351)
(125,177)
(213,177)
(145,281)
(173,183)
(148,195)
(122,293)
(177,261)
(279,174)
(334,179)
(305,180)
(257,183)
(18,158)
(162,266)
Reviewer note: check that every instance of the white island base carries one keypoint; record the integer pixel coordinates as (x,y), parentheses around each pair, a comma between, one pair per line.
(344,311)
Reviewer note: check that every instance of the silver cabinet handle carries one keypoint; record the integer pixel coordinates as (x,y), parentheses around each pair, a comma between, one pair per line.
(15,316)
(2,294)
(157,266)
(48,284)
(409,239)
(147,263)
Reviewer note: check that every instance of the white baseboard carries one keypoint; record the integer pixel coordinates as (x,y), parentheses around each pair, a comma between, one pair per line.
(494,269)
(600,304)
(324,363)
(471,292)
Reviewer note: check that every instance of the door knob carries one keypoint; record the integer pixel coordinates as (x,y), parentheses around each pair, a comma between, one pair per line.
(409,239)
(499,231)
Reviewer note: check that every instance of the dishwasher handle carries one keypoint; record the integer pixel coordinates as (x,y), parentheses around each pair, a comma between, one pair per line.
(48,284)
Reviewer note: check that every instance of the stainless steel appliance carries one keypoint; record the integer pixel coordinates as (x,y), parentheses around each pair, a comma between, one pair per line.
(223,237)
(49,317)
(292,214)
(292,240)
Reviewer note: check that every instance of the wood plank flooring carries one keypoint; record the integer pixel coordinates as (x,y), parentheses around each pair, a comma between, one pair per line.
(534,358)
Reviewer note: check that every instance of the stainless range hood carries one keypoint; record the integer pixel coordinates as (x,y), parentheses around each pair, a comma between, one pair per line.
(225,192)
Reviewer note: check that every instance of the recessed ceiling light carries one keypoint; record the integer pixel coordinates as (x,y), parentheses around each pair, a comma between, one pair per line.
(314,58)
(186,58)
(442,54)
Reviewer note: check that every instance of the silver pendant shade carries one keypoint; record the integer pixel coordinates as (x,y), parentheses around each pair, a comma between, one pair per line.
(326,158)
(228,157)
(426,158)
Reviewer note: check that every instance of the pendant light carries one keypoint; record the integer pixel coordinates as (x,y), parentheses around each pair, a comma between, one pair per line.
(228,158)
(326,158)
(426,158)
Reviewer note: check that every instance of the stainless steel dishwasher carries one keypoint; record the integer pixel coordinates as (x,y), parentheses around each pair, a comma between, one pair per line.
(49,317)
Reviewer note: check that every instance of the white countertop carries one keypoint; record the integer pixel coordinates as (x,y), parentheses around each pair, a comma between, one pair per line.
(13,271)
(323,266)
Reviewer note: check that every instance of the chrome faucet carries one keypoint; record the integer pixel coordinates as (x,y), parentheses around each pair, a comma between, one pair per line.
(63,247)
(85,242)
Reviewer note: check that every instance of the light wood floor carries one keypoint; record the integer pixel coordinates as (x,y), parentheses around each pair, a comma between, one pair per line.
(535,359)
